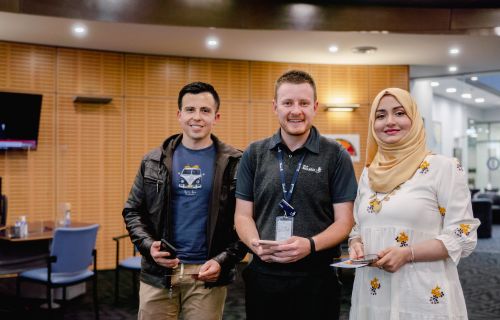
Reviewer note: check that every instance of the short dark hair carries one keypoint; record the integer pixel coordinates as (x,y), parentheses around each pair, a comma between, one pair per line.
(295,77)
(196,88)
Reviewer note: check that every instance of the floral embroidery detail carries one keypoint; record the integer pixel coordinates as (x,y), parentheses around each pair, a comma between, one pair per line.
(373,206)
(402,238)
(442,210)
(463,229)
(436,294)
(424,167)
(374,286)
(459,166)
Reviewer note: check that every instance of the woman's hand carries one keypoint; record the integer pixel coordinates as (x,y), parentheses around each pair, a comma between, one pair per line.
(356,250)
(393,258)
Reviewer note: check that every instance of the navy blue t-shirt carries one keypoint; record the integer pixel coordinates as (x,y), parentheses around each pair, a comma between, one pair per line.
(192,176)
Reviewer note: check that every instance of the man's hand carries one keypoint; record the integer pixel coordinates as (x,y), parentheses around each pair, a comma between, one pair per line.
(209,271)
(290,250)
(264,251)
(161,257)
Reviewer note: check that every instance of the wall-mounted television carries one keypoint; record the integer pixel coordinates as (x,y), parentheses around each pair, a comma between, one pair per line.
(19,120)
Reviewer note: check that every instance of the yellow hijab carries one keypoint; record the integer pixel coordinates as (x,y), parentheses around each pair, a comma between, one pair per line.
(389,165)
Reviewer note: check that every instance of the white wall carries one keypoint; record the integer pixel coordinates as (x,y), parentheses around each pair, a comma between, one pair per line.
(452,116)
(491,115)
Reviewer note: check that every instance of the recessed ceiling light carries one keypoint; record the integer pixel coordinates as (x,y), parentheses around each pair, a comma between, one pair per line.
(451,90)
(466,95)
(333,49)
(364,50)
(454,51)
(452,68)
(497,31)
(79,30)
(473,78)
(479,100)
(212,42)
(434,84)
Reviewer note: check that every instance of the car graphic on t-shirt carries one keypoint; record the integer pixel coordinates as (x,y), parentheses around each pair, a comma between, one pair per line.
(190,178)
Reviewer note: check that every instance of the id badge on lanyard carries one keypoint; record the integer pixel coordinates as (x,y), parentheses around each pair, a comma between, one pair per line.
(284,224)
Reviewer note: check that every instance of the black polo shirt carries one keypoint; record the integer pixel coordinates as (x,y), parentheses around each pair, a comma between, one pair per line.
(325,178)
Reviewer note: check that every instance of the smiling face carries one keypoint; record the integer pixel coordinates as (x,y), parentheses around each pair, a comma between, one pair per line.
(295,107)
(391,120)
(197,117)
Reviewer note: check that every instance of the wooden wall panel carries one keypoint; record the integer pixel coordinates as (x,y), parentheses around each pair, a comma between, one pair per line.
(90,166)
(263,76)
(88,155)
(233,126)
(90,72)
(28,176)
(148,122)
(4,64)
(263,121)
(154,76)
(229,78)
(27,68)
(42,183)
(382,77)
(177,75)
(341,83)
(135,83)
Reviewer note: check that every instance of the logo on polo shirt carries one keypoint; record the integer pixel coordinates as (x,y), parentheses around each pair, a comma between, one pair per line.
(315,170)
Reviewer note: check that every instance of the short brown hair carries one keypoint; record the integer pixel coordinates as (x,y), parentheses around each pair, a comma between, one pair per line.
(196,88)
(295,77)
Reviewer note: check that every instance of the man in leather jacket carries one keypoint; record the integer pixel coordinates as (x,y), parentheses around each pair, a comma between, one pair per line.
(184,193)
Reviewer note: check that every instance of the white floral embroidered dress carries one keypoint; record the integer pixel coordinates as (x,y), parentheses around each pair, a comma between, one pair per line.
(433,204)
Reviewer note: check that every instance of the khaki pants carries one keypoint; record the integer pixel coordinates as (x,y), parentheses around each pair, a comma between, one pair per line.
(187,295)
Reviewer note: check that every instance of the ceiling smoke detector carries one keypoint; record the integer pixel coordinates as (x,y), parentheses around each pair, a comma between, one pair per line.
(364,50)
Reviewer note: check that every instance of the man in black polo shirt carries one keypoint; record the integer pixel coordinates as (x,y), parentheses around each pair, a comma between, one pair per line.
(296,188)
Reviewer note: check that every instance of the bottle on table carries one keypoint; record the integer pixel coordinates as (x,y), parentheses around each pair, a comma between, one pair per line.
(23,227)
(67,215)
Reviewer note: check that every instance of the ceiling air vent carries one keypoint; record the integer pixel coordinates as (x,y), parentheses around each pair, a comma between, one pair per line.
(364,50)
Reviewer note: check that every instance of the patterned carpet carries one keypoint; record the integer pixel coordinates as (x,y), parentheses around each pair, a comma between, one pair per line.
(480,278)
(479,274)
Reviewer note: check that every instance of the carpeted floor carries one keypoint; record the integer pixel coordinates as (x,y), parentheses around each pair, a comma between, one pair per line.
(479,274)
(480,278)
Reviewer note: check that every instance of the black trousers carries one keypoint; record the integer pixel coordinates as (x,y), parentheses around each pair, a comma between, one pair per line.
(276,297)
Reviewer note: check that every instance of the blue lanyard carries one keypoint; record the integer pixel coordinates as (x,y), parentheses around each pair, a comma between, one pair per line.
(287,194)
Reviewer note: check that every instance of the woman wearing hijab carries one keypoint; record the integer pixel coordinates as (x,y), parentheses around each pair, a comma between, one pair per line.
(413,211)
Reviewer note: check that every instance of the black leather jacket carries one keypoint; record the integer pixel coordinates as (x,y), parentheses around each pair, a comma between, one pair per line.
(147,212)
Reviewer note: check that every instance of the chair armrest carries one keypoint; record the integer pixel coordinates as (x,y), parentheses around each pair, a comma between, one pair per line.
(117,240)
(120,237)
(50,260)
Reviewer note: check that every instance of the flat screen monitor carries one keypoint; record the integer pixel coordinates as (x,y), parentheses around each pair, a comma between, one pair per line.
(19,120)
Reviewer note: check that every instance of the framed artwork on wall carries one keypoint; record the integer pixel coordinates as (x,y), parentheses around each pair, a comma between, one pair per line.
(349,141)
